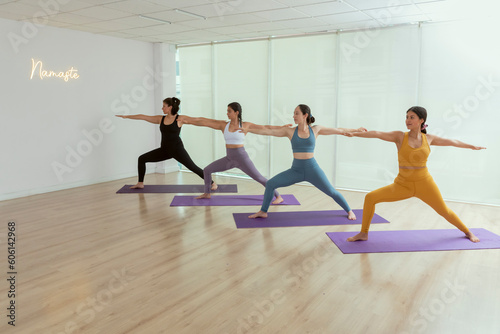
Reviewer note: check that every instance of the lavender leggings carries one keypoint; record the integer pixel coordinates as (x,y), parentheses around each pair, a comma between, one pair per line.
(235,158)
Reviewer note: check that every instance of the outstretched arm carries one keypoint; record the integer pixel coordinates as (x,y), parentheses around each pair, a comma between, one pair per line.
(253,126)
(202,121)
(438,141)
(393,136)
(336,131)
(279,131)
(151,119)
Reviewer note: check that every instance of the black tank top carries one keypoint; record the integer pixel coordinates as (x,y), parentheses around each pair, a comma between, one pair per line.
(170,133)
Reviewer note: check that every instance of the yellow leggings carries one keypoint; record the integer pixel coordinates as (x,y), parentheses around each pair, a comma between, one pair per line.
(410,183)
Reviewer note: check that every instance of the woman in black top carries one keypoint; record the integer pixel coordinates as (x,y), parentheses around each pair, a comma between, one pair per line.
(171,144)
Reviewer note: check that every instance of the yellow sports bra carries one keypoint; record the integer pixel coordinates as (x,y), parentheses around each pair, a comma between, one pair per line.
(413,157)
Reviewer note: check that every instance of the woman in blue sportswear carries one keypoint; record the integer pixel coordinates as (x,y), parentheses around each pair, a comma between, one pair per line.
(304,166)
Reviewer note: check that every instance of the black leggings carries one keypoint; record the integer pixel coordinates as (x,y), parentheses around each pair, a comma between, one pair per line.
(163,153)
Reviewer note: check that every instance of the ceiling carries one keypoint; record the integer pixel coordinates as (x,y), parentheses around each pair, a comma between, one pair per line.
(172,21)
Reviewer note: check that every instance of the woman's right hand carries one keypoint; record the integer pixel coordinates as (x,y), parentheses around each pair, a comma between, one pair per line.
(243,130)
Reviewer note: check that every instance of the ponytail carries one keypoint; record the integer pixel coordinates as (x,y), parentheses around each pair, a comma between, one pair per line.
(237,107)
(306,110)
(174,103)
(422,114)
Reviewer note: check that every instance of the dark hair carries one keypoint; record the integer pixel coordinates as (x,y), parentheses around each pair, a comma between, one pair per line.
(237,107)
(422,114)
(174,103)
(306,110)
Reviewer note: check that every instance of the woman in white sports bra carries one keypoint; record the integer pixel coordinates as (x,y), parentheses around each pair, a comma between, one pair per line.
(236,156)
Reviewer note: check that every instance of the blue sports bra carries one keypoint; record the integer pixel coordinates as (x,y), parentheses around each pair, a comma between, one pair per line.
(303,144)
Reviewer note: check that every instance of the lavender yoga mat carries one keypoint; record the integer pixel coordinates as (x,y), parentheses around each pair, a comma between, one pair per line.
(301,218)
(414,241)
(176,188)
(228,200)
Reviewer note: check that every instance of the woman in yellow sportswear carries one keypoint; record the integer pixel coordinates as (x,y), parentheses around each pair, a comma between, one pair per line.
(413,179)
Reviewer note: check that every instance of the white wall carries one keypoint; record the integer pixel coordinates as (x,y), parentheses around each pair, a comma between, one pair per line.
(56,134)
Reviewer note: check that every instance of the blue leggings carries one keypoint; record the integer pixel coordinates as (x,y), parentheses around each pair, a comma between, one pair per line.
(303,170)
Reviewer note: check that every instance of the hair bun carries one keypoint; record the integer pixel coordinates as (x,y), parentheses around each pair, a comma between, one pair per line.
(312,119)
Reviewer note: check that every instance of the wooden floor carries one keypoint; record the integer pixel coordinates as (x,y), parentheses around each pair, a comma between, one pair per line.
(92,261)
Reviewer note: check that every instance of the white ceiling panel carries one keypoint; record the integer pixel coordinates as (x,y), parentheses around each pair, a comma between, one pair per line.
(21,9)
(239,19)
(185,3)
(234,7)
(137,7)
(97,2)
(326,8)
(170,16)
(162,29)
(263,26)
(206,11)
(301,23)
(204,24)
(427,1)
(294,3)
(280,14)
(344,18)
(137,22)
(10,16)
(393,12)
(230,30)
(73,19)
(442,11)
(101,13)
(248,6)
(371,4)
(436,7)
(63,6)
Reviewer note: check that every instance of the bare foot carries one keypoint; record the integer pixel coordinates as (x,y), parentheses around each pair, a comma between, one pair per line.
(214,187)
(472,237)
(360,236)
(204,196)
(139,185)
(278,200)
(260,214)
(351,215)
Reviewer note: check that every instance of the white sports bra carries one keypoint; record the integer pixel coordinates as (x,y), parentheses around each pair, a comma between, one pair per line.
(233,138)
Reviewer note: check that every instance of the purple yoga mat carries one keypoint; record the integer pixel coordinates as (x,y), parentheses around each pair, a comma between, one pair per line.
(414,241)
(301,218)
(176,188)
(228,200)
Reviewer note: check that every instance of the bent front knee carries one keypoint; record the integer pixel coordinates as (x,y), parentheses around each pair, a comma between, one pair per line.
(371,198)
